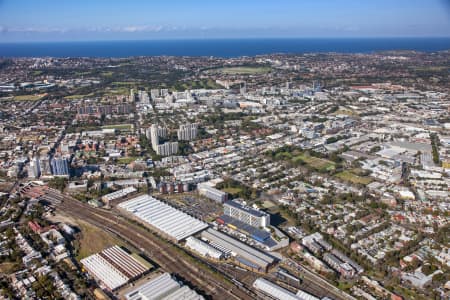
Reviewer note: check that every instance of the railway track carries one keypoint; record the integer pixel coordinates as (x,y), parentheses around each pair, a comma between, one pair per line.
(160,251)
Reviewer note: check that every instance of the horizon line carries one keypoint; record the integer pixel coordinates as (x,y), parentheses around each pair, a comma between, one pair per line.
(224,38)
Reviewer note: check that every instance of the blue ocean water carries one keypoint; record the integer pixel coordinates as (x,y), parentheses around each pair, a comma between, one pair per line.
(219,47)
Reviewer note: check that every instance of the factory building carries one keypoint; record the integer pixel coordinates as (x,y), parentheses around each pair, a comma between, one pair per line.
(113,267)
(246,214)
(211,193)
(118,195)
(162,287)
(203,248)
(273,290)
(162,217)
(244,254)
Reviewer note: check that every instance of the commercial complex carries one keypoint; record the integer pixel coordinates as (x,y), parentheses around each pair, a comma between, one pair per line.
(253,217)
(113,267)
(168,220)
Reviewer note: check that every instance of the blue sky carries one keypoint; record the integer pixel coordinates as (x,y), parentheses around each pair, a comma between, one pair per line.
(35,20)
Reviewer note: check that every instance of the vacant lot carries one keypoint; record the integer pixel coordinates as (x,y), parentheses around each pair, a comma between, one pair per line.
(244,70)
(94,240)
(29,97)
(350,177)
(119,126)
(232,191)
(316,163)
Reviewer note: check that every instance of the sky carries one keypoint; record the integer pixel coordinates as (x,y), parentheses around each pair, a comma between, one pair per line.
(77,20)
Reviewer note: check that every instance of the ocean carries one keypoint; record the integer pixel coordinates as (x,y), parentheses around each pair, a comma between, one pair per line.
(219,47)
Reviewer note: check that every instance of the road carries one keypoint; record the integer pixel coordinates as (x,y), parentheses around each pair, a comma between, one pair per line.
(166,255)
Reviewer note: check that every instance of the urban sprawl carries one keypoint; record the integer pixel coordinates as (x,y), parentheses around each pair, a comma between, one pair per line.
(314,176)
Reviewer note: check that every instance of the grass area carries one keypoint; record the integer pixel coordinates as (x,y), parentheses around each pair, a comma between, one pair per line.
(198,84)
(316,163)
(350,177)
(126,83)
(94,240)
(347,112)
(126,160)
(119,126)
(74,97)
(232,190)
(244,70)
(7,267)
(29,97)
(268,204)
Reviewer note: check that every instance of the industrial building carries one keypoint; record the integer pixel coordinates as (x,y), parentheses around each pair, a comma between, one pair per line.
(113,267)
(253,217)
(163,287)
(211,193)
(245,254)
(203,248)
(162,217)
(277,292)
(118,194)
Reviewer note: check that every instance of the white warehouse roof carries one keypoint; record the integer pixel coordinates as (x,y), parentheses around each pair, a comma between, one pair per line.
(113,267)
(274,290)
(171,221)
(162,287)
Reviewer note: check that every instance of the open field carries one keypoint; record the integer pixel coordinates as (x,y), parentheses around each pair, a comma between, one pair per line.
(119,126)
(126,160)
(350,177)
(29,97)
(199,84)
(74,97)
(7,267)
(315,162)
(94,240)
(347,112)
(244,70)
(232,191)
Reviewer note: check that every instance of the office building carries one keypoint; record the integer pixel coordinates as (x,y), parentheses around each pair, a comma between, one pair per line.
(60,166)
(248,215)
(211,193)
(34,170)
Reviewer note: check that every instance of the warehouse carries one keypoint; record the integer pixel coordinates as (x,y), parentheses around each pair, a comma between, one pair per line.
(162,287)
(203,248)
(274,290)
(118,195)
(170,221)
(113,267)
(246,255)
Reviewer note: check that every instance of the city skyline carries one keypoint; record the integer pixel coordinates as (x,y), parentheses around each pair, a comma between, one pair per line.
(137,20)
